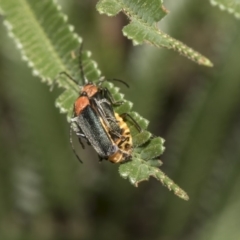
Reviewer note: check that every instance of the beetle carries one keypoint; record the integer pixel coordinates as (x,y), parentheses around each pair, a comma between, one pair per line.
(103,100)
(89,125)
(100,113)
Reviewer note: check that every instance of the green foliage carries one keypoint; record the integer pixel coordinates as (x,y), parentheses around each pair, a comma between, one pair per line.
(45,194)
(138,171)
(47,51)
(232,6)
(144,16)
(200,131)
(48,45)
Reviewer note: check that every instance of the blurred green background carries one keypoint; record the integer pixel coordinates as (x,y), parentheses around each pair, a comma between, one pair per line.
(46,194)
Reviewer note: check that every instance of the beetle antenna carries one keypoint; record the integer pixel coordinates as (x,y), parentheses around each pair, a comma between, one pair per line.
(67,75)
(71,142)
(85,81)
(57,77)
(114,79)
(121,81)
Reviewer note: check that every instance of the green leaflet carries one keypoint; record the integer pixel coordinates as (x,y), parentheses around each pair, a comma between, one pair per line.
(232,6)
(137,171)
(49,46)
(144,15)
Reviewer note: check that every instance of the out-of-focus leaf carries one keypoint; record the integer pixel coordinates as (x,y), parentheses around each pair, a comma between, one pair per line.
(232,6)
(144,15)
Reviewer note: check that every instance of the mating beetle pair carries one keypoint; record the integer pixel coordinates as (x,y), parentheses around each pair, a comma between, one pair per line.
(95,120)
